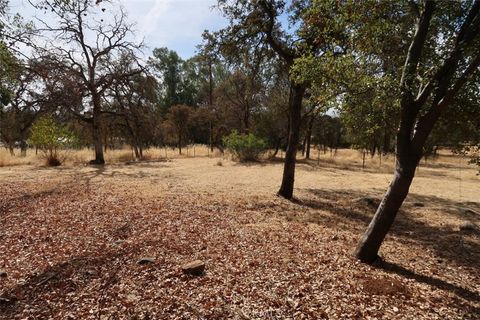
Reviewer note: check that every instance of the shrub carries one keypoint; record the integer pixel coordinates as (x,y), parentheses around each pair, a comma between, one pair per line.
(51,138)
(244,147)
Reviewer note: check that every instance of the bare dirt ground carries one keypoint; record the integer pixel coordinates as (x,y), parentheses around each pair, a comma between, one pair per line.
(71,237)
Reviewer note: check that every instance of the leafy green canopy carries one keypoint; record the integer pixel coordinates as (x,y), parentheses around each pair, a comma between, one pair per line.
(50,136)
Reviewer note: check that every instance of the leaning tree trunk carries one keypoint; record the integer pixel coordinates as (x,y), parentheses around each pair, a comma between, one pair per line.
(295,109)
(97,137)
(405,165)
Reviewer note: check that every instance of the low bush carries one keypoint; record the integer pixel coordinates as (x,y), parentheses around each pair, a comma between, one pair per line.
(244,147)
(51,139)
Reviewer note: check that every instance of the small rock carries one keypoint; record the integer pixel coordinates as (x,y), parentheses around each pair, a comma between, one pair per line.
(145,260)
(3,274)
(194,268)
(334,238)
(419,204)
(118,243)
(4,301)
(91,273)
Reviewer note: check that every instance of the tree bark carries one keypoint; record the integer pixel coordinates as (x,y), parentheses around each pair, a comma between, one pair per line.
(367,249)
(97,135)
(23,148)
(295,109)
(277,147)
(179,143)
(211,137)
(136,151)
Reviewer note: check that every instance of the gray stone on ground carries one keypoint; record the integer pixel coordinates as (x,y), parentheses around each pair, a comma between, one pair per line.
(118,243)
(194,268)
(3,274)
(145,260)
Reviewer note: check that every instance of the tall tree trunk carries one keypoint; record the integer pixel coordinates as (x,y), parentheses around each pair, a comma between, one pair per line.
(277,147)
(136,151)
(179,144)
(295,109)
(367,249)
(23,148)
(211,137)
(97,133)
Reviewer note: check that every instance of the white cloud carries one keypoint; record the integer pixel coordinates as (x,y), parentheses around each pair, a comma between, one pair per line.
(147,24)
(176,24)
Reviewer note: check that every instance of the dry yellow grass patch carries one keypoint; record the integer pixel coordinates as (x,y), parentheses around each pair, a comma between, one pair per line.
(83,156)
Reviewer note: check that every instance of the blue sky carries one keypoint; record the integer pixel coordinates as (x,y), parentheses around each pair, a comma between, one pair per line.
(176,24)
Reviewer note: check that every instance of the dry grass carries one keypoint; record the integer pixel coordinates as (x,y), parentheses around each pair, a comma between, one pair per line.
(83,156)
(342,158)
(6,160)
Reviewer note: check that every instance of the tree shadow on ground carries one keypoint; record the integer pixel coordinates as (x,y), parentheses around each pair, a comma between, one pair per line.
(63,279)
(115,171)
(355,210)
(69,278)
(429,280)
(8,203)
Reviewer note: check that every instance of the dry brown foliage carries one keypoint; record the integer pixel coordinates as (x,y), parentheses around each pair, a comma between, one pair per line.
(70,239)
